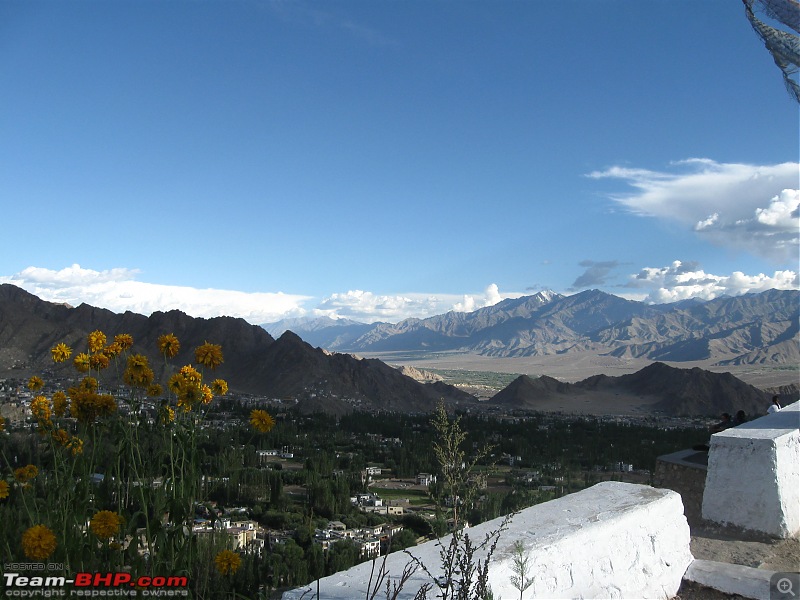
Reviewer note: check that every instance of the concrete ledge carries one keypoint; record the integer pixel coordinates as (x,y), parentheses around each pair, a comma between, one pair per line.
(613,540)
(694,459)
(731,579)
(752,476)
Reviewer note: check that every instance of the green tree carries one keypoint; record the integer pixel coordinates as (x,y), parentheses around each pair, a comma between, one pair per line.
(342,555)
(403,539)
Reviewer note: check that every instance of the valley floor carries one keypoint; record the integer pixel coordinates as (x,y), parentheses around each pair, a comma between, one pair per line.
(580,365)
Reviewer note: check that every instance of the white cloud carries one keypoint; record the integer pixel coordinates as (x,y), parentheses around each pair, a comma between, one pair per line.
(782,211)
(72,276)
(681,281)
(770,231)
(753,207)
(369,307)
(118,291)
(707,223)
(490,297)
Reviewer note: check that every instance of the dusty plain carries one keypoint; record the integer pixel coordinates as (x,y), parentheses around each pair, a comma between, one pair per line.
(574,367)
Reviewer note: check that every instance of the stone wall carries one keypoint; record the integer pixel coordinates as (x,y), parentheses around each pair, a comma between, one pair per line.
(685,473)
(753,474)
(613,540)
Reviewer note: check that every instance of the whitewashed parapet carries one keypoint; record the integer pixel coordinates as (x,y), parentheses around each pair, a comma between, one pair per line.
(753,474)
(613,540)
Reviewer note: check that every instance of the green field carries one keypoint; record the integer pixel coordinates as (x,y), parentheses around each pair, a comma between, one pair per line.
(489,379)
(415,497)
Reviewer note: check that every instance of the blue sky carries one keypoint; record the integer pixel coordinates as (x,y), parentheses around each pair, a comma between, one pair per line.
(380,160)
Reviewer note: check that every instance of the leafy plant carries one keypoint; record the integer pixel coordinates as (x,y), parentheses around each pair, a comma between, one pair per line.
(520,565)
(463,572)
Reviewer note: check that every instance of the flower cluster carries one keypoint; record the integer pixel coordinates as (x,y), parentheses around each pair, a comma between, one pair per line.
(189,389)
(138,373)
(26,473)
(91,413)
(87,405)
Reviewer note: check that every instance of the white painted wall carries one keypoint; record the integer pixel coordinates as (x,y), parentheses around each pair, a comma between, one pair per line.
(753,478)
(613,540)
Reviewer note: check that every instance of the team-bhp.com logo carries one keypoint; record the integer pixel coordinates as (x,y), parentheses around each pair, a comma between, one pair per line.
(93,585)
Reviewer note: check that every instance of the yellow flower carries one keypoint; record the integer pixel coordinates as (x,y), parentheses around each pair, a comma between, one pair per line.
(142,379)
(106,404)
(86,405)
(59,403)
(138,363)
(75,445)
(189,395)
(207,394)
(138,372)
(261,420)
(99,362)
(105,524)
(191,375)
(155,390)
(35,383)
(220,387)
(209,355)
(227,562)
(61,352)
(26,473)
(124,340)
(40,408)
(168,345)
(175,383)
(97,339)
(81,362)
(38,542)
(61,437)
(3,489)
(167,414)
(89,384)
(112,349)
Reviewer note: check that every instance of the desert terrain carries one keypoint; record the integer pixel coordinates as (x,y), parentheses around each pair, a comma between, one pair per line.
(576,366)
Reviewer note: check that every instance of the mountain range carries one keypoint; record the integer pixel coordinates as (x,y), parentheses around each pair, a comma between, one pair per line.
(752,329)
(254,362)
(289,368)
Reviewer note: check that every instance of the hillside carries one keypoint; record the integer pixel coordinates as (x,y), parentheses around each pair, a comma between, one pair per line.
(255,363)
(656,389)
